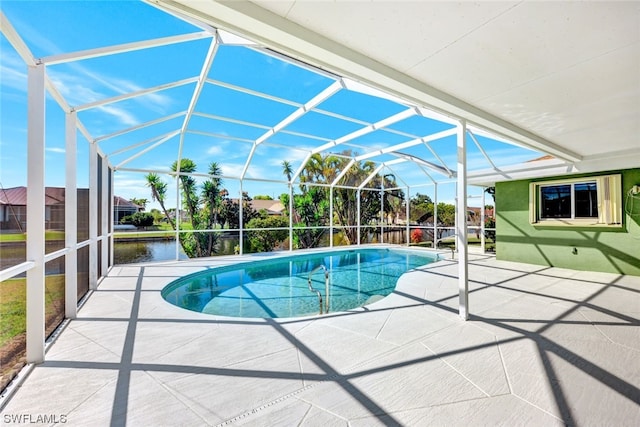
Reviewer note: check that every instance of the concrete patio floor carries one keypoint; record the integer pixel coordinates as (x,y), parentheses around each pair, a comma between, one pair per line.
(544,346)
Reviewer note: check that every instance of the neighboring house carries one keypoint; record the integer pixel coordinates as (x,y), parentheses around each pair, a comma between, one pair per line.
(474,214)
(13,209)
(123,207)
(272,207)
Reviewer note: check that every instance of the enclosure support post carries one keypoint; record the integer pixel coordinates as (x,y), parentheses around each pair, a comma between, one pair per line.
(382,212)
(177,217)
(435,216)
(71,218)
(290,216)
(111,218)
(331,216)
(359,222)
(406,202)
(93,215)
(482,241)
(104,220)
(35,213)
(241,220)
(461,222)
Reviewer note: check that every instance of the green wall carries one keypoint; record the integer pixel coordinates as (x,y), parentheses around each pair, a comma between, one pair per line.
(615,250)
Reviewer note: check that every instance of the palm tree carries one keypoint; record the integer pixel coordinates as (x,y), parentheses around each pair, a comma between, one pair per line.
(188,186)
(158,193)
(191,200)
(287,169)
(211,192)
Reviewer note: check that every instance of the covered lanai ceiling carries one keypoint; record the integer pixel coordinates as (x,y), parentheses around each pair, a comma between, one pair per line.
(392,81)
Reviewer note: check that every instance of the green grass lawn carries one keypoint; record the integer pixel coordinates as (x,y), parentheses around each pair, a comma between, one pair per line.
(21,237)
(162,230)
(157,230)
(13,297)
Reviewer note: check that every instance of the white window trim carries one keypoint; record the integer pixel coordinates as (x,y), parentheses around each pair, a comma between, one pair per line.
(608,187)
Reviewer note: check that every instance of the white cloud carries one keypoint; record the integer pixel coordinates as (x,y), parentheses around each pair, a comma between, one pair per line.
(294,156)
(55,150)
(121,114)
(82,86)
(13,71)
(231,169)
(73,88)
(216,150)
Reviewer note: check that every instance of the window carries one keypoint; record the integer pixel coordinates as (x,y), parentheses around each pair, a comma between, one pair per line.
(580,201)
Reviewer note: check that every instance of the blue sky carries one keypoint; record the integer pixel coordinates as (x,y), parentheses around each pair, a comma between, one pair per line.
(54,27)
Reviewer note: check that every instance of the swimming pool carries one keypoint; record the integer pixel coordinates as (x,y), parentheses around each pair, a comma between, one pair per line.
(281,287)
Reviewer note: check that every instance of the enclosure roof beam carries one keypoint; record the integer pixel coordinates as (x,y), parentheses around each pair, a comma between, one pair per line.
(135,94)
(151,147)
(303,109)
(56,95)
(368,129)
(408,144)
(425,163)
(16,41)
(220,136)
(256,93)
(122,48)
(484,153)
(343,172)
(301,168)
(370,177)
(140,126)
(229,120)
(141,143)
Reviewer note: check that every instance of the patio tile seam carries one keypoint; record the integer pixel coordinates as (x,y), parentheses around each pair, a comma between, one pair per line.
(320,408)
(396,348)
(278,400)
(159,355)
(505,371)
(443,360)
(333,378)
(81,403)
(260,356)
(538,407)
(189,404)
(606,336)
(384,324)
(92,341)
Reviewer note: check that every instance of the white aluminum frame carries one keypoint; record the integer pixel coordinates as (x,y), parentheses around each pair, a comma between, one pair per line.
(377,81)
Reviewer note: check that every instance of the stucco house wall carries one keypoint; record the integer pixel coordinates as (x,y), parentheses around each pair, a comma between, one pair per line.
(607,249)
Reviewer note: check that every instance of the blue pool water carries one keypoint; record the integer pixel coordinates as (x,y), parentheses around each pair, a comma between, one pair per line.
(279,287)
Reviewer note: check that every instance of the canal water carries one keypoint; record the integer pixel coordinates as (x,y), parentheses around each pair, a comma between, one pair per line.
(133,251)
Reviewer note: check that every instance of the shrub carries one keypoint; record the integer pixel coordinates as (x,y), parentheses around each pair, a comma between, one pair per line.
(416,236)
(266,240)
(490,234)
(139,219)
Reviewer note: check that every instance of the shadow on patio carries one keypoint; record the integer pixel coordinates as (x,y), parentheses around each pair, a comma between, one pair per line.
(543,346)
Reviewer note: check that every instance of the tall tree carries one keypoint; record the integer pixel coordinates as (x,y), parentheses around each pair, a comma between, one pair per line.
(159,193)
(312,204)
(287,170)
(190,200)
(211,190)
(201,208)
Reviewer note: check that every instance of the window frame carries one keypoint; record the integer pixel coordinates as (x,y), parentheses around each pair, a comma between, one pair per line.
(608,193)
